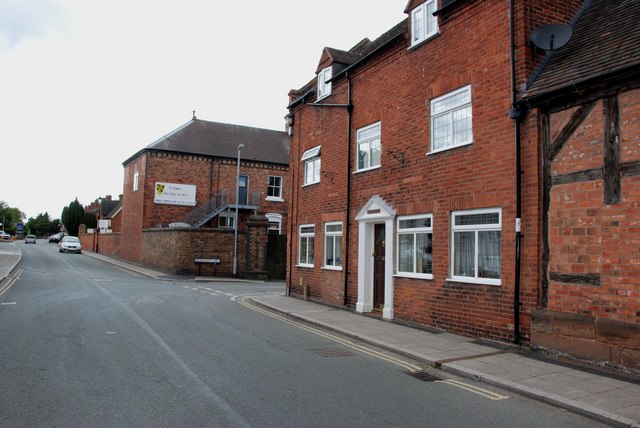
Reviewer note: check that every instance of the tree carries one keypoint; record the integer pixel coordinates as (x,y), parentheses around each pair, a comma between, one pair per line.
(42,225)
(73,217)
(9,217)
(90,220)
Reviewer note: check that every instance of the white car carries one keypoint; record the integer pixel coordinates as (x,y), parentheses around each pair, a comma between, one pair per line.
(4,236)
(70,244)
(30,239)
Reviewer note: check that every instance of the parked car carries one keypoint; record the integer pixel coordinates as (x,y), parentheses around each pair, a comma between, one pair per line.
(30,239)
(70,244)
(56,237)
(5,236)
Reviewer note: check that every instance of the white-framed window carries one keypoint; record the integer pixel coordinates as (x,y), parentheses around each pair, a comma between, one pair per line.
(423,23)
(275,223)
(227,220)
(311,159)
(476,250)
(451,120)
(415,246)
(136,178)
(306,240)
(274,188)
(333,245)
(368,140)
(324,87)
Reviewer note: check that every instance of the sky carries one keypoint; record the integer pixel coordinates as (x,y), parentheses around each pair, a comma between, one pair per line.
(85,84)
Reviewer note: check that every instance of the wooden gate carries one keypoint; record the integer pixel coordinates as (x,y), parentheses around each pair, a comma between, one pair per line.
(276,256)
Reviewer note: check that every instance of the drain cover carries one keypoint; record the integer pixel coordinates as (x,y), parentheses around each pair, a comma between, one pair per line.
(424,376)
(331,352)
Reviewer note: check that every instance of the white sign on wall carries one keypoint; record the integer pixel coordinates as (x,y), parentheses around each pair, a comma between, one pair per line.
(175,194)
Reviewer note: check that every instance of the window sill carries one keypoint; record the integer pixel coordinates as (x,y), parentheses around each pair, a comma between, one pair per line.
(310,184)
(414,275)
(422,42)
(476,281)
(367,169)
(336,268)
(304,266)
(274,199)
(433,152)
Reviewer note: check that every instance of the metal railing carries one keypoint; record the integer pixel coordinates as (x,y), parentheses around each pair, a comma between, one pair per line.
(204,212)
(214,206)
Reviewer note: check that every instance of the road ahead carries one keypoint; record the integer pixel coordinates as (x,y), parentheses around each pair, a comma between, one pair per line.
(84,344)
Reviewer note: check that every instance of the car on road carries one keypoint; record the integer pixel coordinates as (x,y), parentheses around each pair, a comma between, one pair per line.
(30,239)
(70,244)
(56,237)
(5,236)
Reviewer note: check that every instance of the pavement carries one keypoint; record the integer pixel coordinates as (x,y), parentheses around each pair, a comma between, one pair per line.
(609,399)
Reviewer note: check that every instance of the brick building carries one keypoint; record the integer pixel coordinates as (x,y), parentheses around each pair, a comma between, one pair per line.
(587,99)
(416,174)
(108,210)
(187,179)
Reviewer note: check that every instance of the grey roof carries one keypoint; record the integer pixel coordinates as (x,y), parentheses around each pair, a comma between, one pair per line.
(605,42)
(355,56)
(214,139)
(107,206)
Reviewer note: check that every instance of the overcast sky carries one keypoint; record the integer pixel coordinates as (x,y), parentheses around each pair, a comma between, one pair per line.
(85,84)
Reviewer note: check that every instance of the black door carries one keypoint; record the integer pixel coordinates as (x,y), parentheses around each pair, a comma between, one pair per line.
(378,267)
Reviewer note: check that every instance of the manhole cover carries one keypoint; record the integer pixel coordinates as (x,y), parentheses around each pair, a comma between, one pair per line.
(331,352)
(424,376)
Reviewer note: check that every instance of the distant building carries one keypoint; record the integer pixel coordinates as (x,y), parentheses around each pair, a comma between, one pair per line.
(187,179)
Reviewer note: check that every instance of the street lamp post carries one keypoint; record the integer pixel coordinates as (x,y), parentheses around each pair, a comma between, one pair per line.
(235,222)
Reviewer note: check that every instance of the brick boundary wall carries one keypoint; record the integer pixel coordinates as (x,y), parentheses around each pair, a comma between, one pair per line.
(587,337)
(174,250)
(108,243)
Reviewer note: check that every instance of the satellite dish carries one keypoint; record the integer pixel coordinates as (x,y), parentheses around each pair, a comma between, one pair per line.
(551,36)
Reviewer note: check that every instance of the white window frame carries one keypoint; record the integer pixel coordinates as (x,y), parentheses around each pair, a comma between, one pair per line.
(414,231)
(448,112)
(306,233)
(324,87)
(367,137)
(335,262)
(421,18)
(224,218)
(311,159)
(475,276)
(136,179)
(278,187)
(275,218)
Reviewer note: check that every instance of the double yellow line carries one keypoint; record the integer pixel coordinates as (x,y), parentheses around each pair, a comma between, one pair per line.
(12,280)
(353,345)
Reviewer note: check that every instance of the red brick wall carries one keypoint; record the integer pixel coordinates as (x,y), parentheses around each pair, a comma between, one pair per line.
(174,250)
(132,209)
(108,243)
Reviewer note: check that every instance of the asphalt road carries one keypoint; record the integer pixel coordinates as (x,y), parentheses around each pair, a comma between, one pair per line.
(84,344)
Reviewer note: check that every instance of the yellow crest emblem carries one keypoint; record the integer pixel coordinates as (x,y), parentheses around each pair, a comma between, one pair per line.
(159,189)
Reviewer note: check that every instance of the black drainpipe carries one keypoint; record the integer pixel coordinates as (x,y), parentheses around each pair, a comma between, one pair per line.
(294,190)
(516,113)
(348,222)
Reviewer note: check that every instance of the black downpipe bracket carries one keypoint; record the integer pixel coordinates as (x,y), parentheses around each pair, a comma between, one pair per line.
(516,114)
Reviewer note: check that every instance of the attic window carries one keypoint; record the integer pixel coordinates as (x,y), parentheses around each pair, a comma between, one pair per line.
(423,23)
(324,87)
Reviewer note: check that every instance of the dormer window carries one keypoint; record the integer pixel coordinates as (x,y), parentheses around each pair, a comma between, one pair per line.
(324,87)
(423,23)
